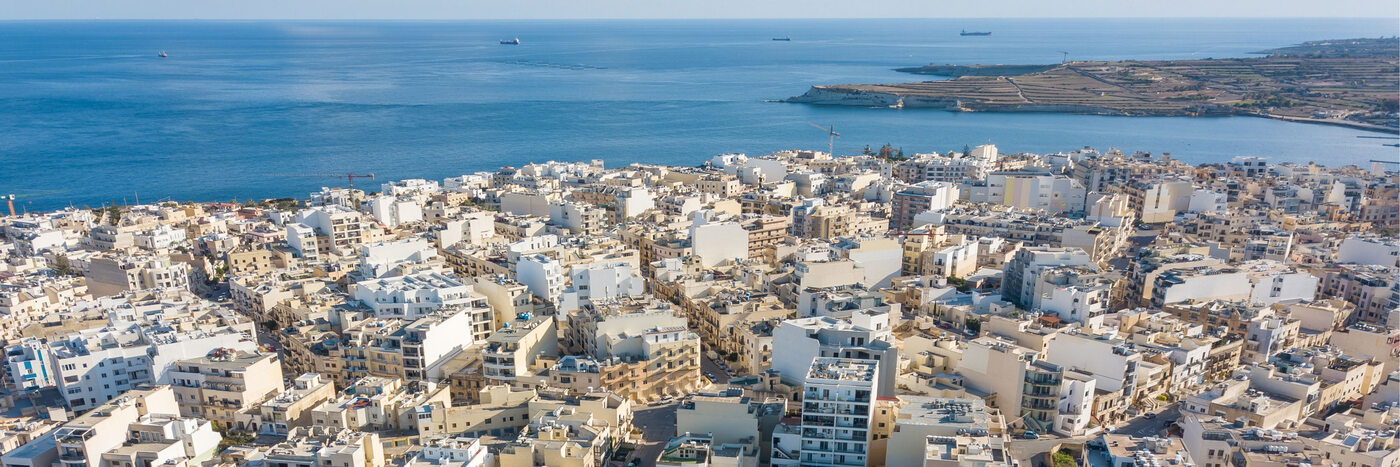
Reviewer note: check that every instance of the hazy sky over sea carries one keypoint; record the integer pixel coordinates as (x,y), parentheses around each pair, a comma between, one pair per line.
(570,9)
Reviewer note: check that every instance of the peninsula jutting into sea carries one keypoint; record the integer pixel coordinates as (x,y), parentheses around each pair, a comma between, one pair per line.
(1350,82)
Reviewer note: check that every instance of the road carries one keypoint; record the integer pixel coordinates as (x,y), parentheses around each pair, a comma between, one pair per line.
(658,425)
(707,365)
(1137,239)
(1143,426)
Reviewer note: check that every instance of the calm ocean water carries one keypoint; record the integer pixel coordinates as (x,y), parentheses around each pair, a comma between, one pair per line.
(87,107)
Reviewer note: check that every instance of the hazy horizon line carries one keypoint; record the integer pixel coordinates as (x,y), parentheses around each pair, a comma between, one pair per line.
(819,18)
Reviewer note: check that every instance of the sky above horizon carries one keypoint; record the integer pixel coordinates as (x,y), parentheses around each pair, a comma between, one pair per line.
(727,9)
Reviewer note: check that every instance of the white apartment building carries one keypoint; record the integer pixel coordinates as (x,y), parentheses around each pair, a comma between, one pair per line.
(1263,282)
(864,335)
(1028,190)
(599,282)
(111,275)
(159,238)
(715,242)
(1112,361)
(471,229)
(1374,250)
(29,366)
(544,276)
(1162,200)
(416,295)
(958,432)
(880,259)
(410,187)
(451,451)
(1022,274)
(139,427)
(388,258)
(393,211)
(342,228)
(838,400)
(97,365)
(514,350)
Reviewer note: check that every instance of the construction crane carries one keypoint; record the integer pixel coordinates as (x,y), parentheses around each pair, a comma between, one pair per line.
(831,138)
(10,198)
(349,177)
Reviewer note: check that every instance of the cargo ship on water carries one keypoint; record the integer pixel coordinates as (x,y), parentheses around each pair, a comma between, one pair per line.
(974,33)
(515,41)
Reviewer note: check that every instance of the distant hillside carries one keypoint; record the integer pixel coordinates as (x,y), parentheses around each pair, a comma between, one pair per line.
(1352,82)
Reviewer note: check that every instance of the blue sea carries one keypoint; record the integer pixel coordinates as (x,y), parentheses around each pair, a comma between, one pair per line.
(89,111)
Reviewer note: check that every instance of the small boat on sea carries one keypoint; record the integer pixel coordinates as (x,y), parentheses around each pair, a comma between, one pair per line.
(784,38)
(515,41)
(966,33)
(162,54)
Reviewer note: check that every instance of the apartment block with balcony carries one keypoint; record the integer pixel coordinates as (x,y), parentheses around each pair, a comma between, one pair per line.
(292,407)
(838,400)
(221,385)
(516,349)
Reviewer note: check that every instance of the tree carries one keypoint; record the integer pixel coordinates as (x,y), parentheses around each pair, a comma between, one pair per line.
(1062,458)
(61,266)
(114,213)
(967,150)
(973,325)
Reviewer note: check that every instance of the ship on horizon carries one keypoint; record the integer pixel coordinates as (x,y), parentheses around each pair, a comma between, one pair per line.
(974,33)
(784,38)
(162,54)
(515,41)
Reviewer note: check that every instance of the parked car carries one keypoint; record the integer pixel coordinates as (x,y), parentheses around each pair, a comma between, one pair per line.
(1031,435)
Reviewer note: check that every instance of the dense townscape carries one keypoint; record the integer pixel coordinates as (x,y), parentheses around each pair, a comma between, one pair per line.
(967,308)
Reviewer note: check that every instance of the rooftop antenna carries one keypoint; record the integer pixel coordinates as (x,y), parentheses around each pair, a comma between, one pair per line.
(831,138)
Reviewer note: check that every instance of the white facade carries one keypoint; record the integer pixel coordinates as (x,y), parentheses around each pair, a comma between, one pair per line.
(838,399)
(797,342)
(457,451)
(544,276)
(601,281)
(94,366)
(525,203)
(1369,250)
(472,229)
(634,201)
(879,258)
(1079,304)
(413,296)
(1207,201)
(1161,201)
(1262,282)
(1028,191)
(716,242)
(1113,363)
(383,259)
(392,211)
(412,186)
(161,237)
(29,364)
(957,260)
